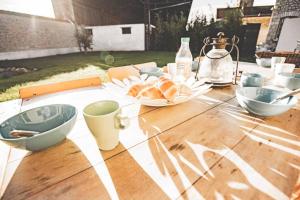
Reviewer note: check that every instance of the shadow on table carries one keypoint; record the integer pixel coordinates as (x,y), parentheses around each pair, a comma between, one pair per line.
(197,159)
(189,162)
(42,170)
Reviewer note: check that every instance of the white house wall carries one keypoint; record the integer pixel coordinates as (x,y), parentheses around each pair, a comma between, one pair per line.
(36,53)
(110,38)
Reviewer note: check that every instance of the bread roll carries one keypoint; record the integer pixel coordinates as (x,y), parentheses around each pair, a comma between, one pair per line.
(151,92)
(136,89)
(164,88)
(168,88)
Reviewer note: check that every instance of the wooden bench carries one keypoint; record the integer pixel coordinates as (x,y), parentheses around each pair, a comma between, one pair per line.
(37,90)
(125,71)
(291,57)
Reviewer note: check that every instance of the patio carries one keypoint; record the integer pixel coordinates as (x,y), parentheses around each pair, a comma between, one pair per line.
(212,149)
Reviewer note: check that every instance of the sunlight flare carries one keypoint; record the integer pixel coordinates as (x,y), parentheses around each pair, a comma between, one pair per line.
(237,185)
(272,144)
(91,151)
(257,180)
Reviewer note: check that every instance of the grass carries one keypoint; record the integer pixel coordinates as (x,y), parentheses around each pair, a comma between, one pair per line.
(57,68)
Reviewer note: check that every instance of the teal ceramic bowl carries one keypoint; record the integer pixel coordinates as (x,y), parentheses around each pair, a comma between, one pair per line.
(289,80)
(251,80)
(52,122)
(256,101)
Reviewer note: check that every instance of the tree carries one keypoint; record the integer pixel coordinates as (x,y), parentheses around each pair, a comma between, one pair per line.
(232,23)
(84,39)
(169,29)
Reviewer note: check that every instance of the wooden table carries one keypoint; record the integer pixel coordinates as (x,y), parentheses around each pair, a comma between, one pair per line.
(207,148)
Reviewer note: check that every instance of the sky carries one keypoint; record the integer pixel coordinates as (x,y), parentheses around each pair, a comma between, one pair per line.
(44,7)
(34,7)
(209,7)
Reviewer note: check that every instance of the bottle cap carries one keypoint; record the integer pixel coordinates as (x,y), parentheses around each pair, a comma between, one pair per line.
(185,39)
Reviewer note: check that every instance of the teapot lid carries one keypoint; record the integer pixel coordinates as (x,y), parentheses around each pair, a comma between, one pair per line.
(220,42)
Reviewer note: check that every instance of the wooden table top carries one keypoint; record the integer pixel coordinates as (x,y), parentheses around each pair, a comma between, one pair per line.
(206,148)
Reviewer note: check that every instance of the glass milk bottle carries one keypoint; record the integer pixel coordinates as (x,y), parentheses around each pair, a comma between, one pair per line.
(184,60)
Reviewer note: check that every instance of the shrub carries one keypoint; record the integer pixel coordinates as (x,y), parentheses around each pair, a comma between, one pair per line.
(84,39)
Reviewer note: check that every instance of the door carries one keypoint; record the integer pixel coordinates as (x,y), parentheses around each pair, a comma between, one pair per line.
(248,41)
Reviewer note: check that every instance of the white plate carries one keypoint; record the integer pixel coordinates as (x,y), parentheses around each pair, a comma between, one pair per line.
(196,88)
(219,84)
(178,100)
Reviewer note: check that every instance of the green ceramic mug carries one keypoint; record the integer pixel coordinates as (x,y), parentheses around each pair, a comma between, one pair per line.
(104,120)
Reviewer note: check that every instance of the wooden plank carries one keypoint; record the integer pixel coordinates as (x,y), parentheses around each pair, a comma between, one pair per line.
(264,165)
(123,72)
(90,95)
(297,70)
(139,131)
(31,91)
(84,96)
(153,123)
(172,160)
(80,130)
(4,156)
(7,110)
(296,192)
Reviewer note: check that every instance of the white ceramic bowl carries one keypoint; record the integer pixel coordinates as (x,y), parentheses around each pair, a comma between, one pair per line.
(284,68)
(289,80)
(264,62)
(256,101)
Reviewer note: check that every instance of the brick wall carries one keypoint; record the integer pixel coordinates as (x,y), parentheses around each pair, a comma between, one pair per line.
(22,32)
(283,9)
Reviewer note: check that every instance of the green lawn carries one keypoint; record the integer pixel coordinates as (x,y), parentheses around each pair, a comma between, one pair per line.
(78,63)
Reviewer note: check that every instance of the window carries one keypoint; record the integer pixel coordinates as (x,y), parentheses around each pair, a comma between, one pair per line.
(126,30)
(89,31)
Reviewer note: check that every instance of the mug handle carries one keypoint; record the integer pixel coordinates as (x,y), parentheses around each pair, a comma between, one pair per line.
(122,121)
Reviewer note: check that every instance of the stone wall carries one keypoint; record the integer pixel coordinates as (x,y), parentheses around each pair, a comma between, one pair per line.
(22,32)
(282,9)
(26,32)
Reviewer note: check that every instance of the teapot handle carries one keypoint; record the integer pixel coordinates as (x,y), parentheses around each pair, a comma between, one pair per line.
(234,41)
